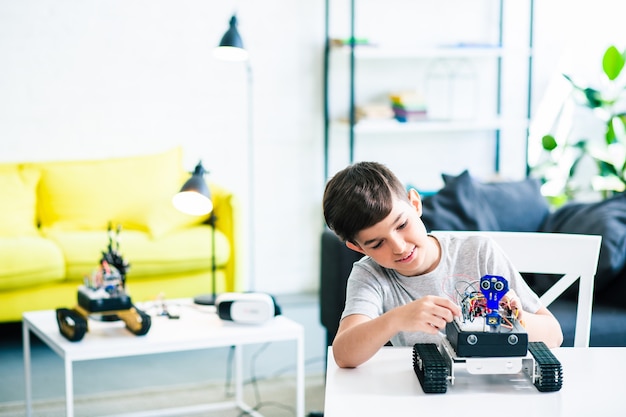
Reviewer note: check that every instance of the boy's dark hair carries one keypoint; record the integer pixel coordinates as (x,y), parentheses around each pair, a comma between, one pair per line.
(360,196)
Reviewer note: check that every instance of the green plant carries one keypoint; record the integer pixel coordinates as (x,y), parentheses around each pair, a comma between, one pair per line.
(563,156)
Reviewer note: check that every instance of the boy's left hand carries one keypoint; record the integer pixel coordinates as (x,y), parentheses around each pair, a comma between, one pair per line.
(512,302)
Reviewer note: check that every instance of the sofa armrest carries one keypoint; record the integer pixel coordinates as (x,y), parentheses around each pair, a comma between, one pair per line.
(228,218)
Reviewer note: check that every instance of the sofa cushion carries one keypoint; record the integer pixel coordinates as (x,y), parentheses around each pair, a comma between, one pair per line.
(19,191)
(88,195)
(517,206)
(29,261)
(457,207)
(606,218)
(181,251)
(465,203)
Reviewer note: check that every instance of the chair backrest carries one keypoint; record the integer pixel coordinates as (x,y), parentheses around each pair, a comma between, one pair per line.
(575,257)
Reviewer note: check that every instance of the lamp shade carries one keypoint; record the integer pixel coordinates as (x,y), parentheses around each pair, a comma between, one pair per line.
(231,46)
(194,197)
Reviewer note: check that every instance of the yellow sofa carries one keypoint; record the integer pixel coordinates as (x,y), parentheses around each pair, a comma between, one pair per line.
(54,219)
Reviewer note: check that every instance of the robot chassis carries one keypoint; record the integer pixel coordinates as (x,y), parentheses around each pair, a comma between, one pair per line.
(489,340)
(104,295)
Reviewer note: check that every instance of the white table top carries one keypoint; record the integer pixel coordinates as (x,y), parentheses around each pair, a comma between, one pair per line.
(197,328)
(594,384)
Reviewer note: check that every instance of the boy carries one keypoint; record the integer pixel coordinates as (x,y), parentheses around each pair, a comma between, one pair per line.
(404,289)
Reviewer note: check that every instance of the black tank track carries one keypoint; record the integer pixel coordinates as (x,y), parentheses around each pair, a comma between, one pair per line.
(549,369)
(146,322)
(430,368)
(72,324)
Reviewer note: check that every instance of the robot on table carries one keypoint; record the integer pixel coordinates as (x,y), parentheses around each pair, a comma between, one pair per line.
(489,339)
(103,295)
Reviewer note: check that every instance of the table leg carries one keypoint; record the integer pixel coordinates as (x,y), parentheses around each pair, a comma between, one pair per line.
(300,377)
(27,368)
(238,375)
(239,400)
(69,388)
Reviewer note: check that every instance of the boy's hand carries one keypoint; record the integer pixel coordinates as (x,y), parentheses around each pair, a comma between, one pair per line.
(428,314)
(512,302)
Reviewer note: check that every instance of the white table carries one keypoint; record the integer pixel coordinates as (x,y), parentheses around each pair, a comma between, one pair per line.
(593,385)
(198,328)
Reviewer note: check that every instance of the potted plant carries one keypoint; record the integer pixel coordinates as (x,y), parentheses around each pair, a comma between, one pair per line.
(562,155)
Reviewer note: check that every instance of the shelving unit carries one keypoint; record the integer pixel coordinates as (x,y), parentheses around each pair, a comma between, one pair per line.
(392,126)
(360,57)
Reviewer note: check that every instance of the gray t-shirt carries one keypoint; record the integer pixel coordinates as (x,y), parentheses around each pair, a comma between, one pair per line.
(373,290)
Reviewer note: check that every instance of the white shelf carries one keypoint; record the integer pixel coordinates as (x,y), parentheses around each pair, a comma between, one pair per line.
(392,126)
(376,53)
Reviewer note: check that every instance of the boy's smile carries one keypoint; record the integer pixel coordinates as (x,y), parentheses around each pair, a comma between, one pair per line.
(409,257)
(400,240)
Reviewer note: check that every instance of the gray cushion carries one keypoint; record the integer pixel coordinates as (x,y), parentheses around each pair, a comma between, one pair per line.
(465,203)
(606,218)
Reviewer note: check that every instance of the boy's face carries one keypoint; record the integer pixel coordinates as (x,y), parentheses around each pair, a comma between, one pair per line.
(400,240)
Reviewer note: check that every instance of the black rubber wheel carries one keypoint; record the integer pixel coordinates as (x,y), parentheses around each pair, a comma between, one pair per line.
(548,367)
(430,368)
(72,324)
(145,321)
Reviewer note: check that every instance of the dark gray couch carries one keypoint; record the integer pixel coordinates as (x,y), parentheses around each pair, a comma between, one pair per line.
(467,204)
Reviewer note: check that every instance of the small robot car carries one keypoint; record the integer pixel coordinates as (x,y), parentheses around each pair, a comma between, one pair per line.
(104,294)
(488,339)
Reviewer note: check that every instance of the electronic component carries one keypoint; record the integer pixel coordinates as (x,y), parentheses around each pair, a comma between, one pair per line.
(488,326)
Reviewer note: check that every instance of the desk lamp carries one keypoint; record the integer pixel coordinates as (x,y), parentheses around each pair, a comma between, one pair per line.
(195,198)
(231,45)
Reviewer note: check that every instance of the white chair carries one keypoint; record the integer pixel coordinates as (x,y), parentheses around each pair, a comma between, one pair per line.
(575,257)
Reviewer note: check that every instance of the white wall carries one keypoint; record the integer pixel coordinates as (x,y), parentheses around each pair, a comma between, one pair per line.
(99,78)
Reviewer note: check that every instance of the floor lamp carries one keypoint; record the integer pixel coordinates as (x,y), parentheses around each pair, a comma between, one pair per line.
(231,49)
(195,198)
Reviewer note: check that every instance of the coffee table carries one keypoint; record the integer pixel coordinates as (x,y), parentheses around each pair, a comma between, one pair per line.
(198,327)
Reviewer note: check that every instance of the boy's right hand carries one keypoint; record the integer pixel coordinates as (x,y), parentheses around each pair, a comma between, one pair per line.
(359,337)
(428,314)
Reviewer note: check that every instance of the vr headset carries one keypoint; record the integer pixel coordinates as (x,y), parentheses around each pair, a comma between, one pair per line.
(246,308)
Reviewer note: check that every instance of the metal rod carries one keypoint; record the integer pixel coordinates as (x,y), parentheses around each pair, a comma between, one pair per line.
(251,183)
(352,82)
(326,94)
